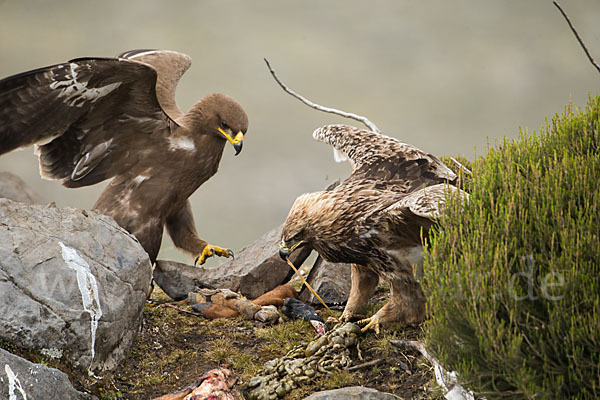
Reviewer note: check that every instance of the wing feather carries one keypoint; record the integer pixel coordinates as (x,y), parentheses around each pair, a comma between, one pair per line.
(377,155)
(427,202)
(85,115)
(170,66)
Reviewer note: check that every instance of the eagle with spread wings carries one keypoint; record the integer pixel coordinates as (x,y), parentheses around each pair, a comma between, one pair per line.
(375,220)
(116,118)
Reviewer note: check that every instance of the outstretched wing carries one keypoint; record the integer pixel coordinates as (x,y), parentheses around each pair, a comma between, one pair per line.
(374,155)
(170,66)
(408,218)
(88,116)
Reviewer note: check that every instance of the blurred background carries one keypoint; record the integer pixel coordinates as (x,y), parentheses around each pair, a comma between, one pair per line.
(447,76)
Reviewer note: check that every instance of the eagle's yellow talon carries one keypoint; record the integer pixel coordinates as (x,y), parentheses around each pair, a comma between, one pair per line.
(210,251)
(371,323)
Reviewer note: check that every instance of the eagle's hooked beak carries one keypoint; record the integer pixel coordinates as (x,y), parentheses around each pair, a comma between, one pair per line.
(285,251)
(237,141)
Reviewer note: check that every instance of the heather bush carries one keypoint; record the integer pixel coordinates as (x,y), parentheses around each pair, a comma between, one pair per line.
(513,278)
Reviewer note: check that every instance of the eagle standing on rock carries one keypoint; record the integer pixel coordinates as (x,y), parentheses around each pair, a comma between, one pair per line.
(375,220)
(100,118)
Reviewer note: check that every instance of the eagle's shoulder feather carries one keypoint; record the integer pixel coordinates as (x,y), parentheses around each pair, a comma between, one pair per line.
(427,202)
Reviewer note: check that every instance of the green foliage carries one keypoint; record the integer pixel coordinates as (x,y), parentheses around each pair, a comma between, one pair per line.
(513,279)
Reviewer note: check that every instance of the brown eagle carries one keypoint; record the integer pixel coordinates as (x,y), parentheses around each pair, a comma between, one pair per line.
(100,118)
(375,219)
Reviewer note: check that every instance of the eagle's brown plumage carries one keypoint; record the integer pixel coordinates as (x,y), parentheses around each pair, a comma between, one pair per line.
(100,118)
(375,219)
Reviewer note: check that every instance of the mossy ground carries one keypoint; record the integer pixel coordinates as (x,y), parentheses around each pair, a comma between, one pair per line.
(174,348)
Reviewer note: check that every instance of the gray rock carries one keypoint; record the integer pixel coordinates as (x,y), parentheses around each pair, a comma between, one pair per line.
(255,270)
(72,283)
(330,280)
(14,188)
(351,393)
(177,279)
(20,379)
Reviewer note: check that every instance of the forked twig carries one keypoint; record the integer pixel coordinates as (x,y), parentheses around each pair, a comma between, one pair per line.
(587,53)
(309,103)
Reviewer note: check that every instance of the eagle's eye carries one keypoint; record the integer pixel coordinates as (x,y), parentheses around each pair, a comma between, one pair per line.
(224,125)
(297,236)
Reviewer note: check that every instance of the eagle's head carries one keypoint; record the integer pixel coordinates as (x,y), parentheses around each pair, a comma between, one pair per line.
(224,118)
(306,222)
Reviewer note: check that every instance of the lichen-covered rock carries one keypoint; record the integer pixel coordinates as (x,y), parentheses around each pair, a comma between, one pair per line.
(21,379)
(303,364)
(72,283)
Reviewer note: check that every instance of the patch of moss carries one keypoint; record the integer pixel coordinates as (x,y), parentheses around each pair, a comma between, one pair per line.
(279,339)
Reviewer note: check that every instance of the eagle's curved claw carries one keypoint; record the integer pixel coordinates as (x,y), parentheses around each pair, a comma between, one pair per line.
(370,323)
(348,316)
(210,251)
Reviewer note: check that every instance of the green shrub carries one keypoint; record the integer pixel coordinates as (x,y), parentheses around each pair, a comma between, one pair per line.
(513,279)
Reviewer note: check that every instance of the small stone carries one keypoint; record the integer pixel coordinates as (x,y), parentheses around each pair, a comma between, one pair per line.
(350,341)
(314,346)
(254,381)
(281,369)
(287,387)
(337,340)
(280,391)
(350,327)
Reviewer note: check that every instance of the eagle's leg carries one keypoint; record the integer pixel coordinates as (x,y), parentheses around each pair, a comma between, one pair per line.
(363,285)
(182,230)
(406,305)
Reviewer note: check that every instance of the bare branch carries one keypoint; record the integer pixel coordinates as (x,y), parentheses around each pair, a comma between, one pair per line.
(367,364)
(587,53)
(181,310)
(309,103)
(467,170)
